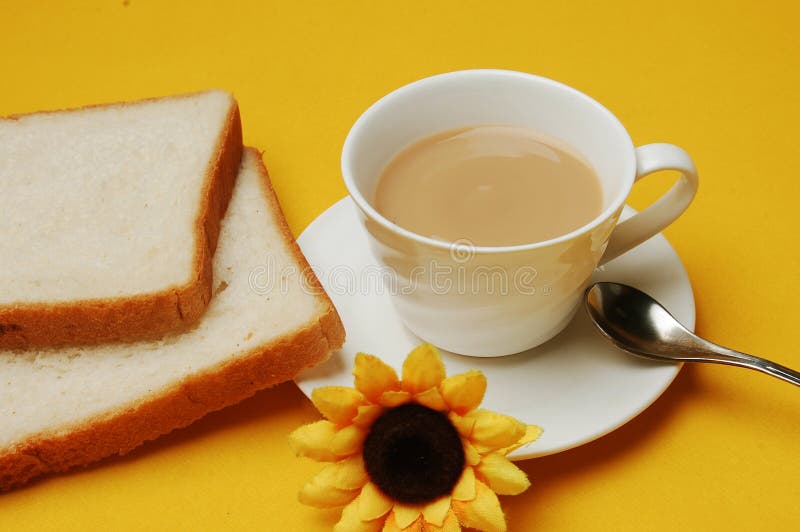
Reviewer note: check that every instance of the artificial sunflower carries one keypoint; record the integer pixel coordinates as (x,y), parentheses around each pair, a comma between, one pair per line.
(412,455)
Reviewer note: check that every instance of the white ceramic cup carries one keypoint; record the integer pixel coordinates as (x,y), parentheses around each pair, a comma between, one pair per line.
(493,301)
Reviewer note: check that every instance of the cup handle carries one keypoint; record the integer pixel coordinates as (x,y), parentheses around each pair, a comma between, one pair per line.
(639,227)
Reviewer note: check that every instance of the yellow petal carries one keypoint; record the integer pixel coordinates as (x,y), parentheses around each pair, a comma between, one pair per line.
(392,398)
(494,431)
(348,474)
(464,392)
(416,526)
(337,403)
(367,414)
(532,433)
(422,369)
(373,377)
(372,503)
(351,522)
(471,454)
(320,492)
(314,441)
(405,514)
(392,526)
(450,524)
(432,399)
(464,425)
(483,512)
(348,441)
(503,477)
(435,512)
(465,487)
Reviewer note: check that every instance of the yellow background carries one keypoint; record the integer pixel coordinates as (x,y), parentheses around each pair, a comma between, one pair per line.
(719,451)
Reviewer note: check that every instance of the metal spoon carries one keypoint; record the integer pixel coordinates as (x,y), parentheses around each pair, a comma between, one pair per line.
(637,323)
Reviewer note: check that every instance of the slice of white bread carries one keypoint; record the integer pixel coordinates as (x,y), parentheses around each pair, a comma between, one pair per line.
(268,320)
(109,217)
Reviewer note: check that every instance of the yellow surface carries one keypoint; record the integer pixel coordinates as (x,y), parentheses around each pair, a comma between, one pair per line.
(718,451)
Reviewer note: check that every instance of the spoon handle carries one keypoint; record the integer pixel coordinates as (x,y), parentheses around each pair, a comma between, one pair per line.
(735,358)
(776,370)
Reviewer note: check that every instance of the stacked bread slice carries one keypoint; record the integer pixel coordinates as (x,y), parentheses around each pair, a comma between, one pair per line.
(119,320)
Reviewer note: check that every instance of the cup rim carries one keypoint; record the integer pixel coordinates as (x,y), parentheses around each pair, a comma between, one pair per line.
(367,208)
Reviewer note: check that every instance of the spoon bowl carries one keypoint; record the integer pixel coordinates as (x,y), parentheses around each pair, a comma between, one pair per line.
(638,324)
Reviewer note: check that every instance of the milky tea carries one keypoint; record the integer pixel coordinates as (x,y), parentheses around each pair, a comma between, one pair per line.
(489,185)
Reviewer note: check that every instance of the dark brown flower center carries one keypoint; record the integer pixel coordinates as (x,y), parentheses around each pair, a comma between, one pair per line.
(414,454)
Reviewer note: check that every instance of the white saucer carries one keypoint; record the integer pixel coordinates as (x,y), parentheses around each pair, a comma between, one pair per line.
(577,387)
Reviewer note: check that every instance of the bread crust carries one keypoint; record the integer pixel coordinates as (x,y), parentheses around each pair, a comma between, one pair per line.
(120,431)
(144,316)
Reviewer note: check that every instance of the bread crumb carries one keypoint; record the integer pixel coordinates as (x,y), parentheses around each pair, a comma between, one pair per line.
(220,288)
